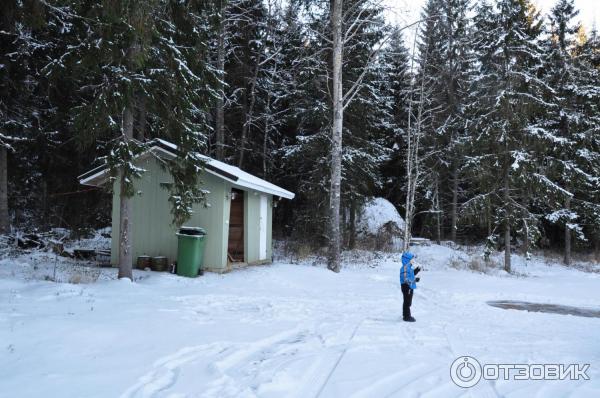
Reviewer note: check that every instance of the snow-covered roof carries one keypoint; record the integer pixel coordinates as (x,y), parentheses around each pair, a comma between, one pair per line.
(225,171)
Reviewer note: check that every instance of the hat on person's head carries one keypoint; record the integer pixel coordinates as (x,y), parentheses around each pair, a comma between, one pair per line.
(406,257)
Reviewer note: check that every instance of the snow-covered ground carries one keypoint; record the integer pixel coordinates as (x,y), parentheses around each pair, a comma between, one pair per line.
(291,330)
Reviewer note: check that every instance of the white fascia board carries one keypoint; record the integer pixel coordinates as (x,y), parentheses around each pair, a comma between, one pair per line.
(275,192)
(253,183)
(86,181)
(242,183)
(89,180)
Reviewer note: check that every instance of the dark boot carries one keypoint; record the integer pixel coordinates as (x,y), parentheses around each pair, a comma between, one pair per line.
(409,319)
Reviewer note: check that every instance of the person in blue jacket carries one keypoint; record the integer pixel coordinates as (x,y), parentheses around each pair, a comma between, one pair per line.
(408,283)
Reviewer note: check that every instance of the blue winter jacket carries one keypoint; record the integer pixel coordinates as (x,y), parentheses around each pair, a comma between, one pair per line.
(407,274)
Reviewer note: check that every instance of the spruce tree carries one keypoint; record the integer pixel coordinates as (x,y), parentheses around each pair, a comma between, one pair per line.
(154,50)
(566,127)
(395,61)
(444,64)
(30,35)
(587,154)
(13,118)
(368,120)
(506,96)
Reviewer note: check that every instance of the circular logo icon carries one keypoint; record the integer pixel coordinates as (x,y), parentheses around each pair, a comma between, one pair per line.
(465,372)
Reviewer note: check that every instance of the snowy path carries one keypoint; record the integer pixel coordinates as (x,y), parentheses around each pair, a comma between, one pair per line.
(291,331)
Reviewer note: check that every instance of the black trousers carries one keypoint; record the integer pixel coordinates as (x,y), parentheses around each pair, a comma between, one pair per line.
(407,294)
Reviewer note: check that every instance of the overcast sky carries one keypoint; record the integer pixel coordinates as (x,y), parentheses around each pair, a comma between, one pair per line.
(406,11)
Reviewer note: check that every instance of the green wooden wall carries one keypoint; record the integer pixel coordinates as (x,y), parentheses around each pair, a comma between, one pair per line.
(152,231)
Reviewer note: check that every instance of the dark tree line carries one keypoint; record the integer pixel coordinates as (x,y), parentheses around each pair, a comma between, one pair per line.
(503,101)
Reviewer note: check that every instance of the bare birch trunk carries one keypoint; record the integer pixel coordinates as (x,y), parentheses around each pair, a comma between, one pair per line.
(266,135)
(249,115)
(407,208)
(507,246)
(412,155)
(45,212)
(220,112)
(507,266)
(344,227)
(125,254)
(488,216)
(352,237)
(4,221)
(567,235)
(526,239)
(438,214)
(336,140)
(454,215)
(265,142)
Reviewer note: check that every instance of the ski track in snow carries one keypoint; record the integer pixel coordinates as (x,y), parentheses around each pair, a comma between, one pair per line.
(166,370)
(297,331)
(298,357)
(305,361)
(234,366)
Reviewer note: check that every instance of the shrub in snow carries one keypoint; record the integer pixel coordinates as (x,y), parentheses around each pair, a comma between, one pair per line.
(380,226)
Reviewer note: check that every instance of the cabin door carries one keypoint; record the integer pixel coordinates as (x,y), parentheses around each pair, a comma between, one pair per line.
(235,245)
(263,228)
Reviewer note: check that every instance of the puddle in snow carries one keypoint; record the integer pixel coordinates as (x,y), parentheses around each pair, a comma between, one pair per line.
(550,308)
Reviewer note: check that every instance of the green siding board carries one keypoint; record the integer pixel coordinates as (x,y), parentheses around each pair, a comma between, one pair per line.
(246,231)
(212,219)
(114,245)
(251,214)
(152,231)
(225,221)
(270,227)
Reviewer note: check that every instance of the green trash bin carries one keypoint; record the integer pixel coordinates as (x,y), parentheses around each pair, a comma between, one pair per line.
(190,251)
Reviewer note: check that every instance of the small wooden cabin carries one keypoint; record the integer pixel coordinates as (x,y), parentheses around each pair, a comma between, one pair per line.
(238,218)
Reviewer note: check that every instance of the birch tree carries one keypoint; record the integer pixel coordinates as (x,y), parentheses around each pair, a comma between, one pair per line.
(335,193)
(346,23)
(416,118)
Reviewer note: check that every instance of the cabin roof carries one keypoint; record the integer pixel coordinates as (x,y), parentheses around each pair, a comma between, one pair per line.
(99,175)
